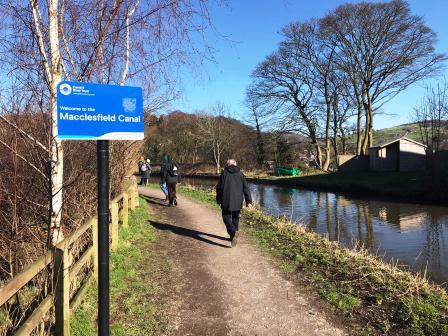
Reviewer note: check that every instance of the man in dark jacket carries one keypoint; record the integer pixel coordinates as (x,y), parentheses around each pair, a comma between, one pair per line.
(171,175)
(231,187)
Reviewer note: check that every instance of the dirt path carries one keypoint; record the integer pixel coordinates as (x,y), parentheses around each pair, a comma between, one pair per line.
(228,291)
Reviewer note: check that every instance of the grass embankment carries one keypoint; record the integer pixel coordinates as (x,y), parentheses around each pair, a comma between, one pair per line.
(374,297)
(138,300)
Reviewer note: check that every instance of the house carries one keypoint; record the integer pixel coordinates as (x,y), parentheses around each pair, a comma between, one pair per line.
(402,154)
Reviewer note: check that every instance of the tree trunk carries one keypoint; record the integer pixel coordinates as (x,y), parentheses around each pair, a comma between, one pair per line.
(260,145)
(216,156)
(318,154)
(368,133)
(326,164)
(336,120)
(359,116)
(359,132)
(57,153)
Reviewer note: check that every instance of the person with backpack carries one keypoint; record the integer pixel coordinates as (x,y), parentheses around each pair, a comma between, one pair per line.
(171,176)
(231,188)
(145,171)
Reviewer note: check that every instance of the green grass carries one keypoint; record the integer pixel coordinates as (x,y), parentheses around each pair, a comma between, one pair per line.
(338,298)
(136,290)
(375,298)
(204,196)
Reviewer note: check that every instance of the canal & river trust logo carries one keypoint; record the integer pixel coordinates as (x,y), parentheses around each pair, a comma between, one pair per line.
(65,89)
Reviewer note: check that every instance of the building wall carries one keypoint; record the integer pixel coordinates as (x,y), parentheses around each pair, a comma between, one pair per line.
(353,163)
(384,159)
(412,156)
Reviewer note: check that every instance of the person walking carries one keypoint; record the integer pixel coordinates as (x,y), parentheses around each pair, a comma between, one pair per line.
(231,188)
(145,171)
(172,177)
(163,169)
(141,168)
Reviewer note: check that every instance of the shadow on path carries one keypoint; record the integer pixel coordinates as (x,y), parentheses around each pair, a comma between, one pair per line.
(155,200)
(189,233)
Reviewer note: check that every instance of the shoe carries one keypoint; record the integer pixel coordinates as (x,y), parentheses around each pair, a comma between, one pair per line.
(234,239)
(175,202)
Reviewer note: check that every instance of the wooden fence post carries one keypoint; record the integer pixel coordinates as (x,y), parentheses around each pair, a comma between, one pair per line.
(114,228)
(62,290)
(137,196)
(94,222)
(134,196)
(125,211)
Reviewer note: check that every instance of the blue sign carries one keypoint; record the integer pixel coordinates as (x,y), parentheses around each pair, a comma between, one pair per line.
(88,111)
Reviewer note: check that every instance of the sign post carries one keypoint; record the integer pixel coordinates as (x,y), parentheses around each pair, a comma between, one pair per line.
(100,112)
(103,236)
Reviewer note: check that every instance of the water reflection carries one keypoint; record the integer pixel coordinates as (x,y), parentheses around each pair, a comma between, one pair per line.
(412,233)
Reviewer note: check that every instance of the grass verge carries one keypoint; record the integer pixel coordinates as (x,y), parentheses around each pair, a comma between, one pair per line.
(376,298)
(138,300)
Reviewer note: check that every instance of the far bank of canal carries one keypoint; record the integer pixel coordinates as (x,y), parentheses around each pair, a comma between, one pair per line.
(414,234)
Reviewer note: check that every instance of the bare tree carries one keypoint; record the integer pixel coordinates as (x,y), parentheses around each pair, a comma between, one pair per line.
(214,131)
(260,117)
(431,116)
(342,112)
(43,42)
(316,51)
(283,85)
(384,49)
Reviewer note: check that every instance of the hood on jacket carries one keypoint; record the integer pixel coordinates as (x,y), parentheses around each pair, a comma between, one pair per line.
(232,169)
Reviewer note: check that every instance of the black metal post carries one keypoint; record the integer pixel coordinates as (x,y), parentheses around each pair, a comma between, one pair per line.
(103,237)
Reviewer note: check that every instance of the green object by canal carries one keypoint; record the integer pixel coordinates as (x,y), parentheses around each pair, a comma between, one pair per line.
(285,171)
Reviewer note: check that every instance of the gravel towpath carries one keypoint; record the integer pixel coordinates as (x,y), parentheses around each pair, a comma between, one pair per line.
(224,290)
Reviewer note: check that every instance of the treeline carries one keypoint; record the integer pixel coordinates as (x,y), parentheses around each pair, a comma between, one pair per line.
(204,140)
(330,76)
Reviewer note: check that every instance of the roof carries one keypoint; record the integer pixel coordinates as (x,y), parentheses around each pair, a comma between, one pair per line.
(396,140)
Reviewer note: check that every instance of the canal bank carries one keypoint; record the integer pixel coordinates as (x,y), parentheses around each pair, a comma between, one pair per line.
(412,234)
(375,298)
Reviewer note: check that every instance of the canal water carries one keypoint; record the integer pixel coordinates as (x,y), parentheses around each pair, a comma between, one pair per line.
(415,235)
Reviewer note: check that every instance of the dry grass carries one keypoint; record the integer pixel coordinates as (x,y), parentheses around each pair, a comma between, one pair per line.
(376,297)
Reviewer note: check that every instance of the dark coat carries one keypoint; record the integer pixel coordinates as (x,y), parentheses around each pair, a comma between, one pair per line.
(231,187)
(165,172)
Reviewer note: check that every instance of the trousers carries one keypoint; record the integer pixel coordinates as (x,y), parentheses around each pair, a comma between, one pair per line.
(163,187)
(171,192)
(231,220)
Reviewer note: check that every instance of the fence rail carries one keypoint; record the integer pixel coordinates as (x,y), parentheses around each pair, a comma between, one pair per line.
(66,270)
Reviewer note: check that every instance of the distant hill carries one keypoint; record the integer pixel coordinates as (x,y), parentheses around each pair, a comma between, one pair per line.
(410,131)
(385,135)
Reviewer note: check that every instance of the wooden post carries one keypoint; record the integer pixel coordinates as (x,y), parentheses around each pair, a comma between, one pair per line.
(137,196)
(132,198)
(62,290)
(125,211)
(114,228)
(94,222)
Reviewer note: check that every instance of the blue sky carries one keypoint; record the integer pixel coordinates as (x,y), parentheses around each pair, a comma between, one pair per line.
(251,28)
